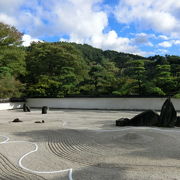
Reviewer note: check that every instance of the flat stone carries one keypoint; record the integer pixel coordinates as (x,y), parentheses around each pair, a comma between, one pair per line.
(37,122)
(17,120)
(146,118)
(40,121)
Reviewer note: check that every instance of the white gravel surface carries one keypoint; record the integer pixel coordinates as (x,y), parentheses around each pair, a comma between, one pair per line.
(85,145)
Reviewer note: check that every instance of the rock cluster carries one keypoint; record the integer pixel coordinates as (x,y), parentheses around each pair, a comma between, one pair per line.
(167,118)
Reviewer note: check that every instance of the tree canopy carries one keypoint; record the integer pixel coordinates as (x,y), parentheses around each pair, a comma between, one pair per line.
(12,61)
(68,69)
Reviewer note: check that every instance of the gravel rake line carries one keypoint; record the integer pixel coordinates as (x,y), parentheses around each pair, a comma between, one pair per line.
(11,170)
(33,172)
(70,149)
(8,170)
(72,142)
(66,156)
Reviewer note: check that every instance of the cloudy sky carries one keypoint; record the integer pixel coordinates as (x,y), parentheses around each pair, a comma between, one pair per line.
(145,27)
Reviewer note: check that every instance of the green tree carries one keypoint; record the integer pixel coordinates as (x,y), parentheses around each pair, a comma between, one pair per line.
(135,69)
(9,36)
(61,63)
(164,79)
(10,87)
(102,78)
(12,61)
(125,86)
(65,69)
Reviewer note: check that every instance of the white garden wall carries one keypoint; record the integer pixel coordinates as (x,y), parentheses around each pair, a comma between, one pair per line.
(11,105)
(102,103)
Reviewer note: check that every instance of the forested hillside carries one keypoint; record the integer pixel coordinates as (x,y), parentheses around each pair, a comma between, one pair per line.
(67,69)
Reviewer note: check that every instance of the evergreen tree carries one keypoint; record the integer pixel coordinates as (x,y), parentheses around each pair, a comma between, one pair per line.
(12,61)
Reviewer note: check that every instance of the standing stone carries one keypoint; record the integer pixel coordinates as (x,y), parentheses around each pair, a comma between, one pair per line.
(26,108)
(168,116)
(44,109)
(178,122)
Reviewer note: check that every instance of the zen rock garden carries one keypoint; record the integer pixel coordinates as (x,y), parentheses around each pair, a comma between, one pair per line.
(27,109)
(167,118)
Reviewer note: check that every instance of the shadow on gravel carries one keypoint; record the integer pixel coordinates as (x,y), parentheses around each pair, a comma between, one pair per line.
(95,111)
(98,173)
(108,124)
(150,144)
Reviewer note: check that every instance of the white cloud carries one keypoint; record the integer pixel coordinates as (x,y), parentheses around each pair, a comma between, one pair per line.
(165,44)
(162,51)
(163,37)
(53,17)
(27,40)
(176,42)
(82,21)
(87,26)
(110,41)
(143,39)
(7,19)
(25,15)
(9,10)
(78,18)
(158,15)
(10,6)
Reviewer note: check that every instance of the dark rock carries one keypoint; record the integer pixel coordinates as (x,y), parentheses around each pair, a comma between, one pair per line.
(17,120)
(26,108)
(44,109)
(40,121)
(178,122)
(168,116)
(122,122)
(146,118)
(37,122)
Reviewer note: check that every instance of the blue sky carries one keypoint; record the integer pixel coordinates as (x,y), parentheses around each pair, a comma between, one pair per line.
(133,26)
